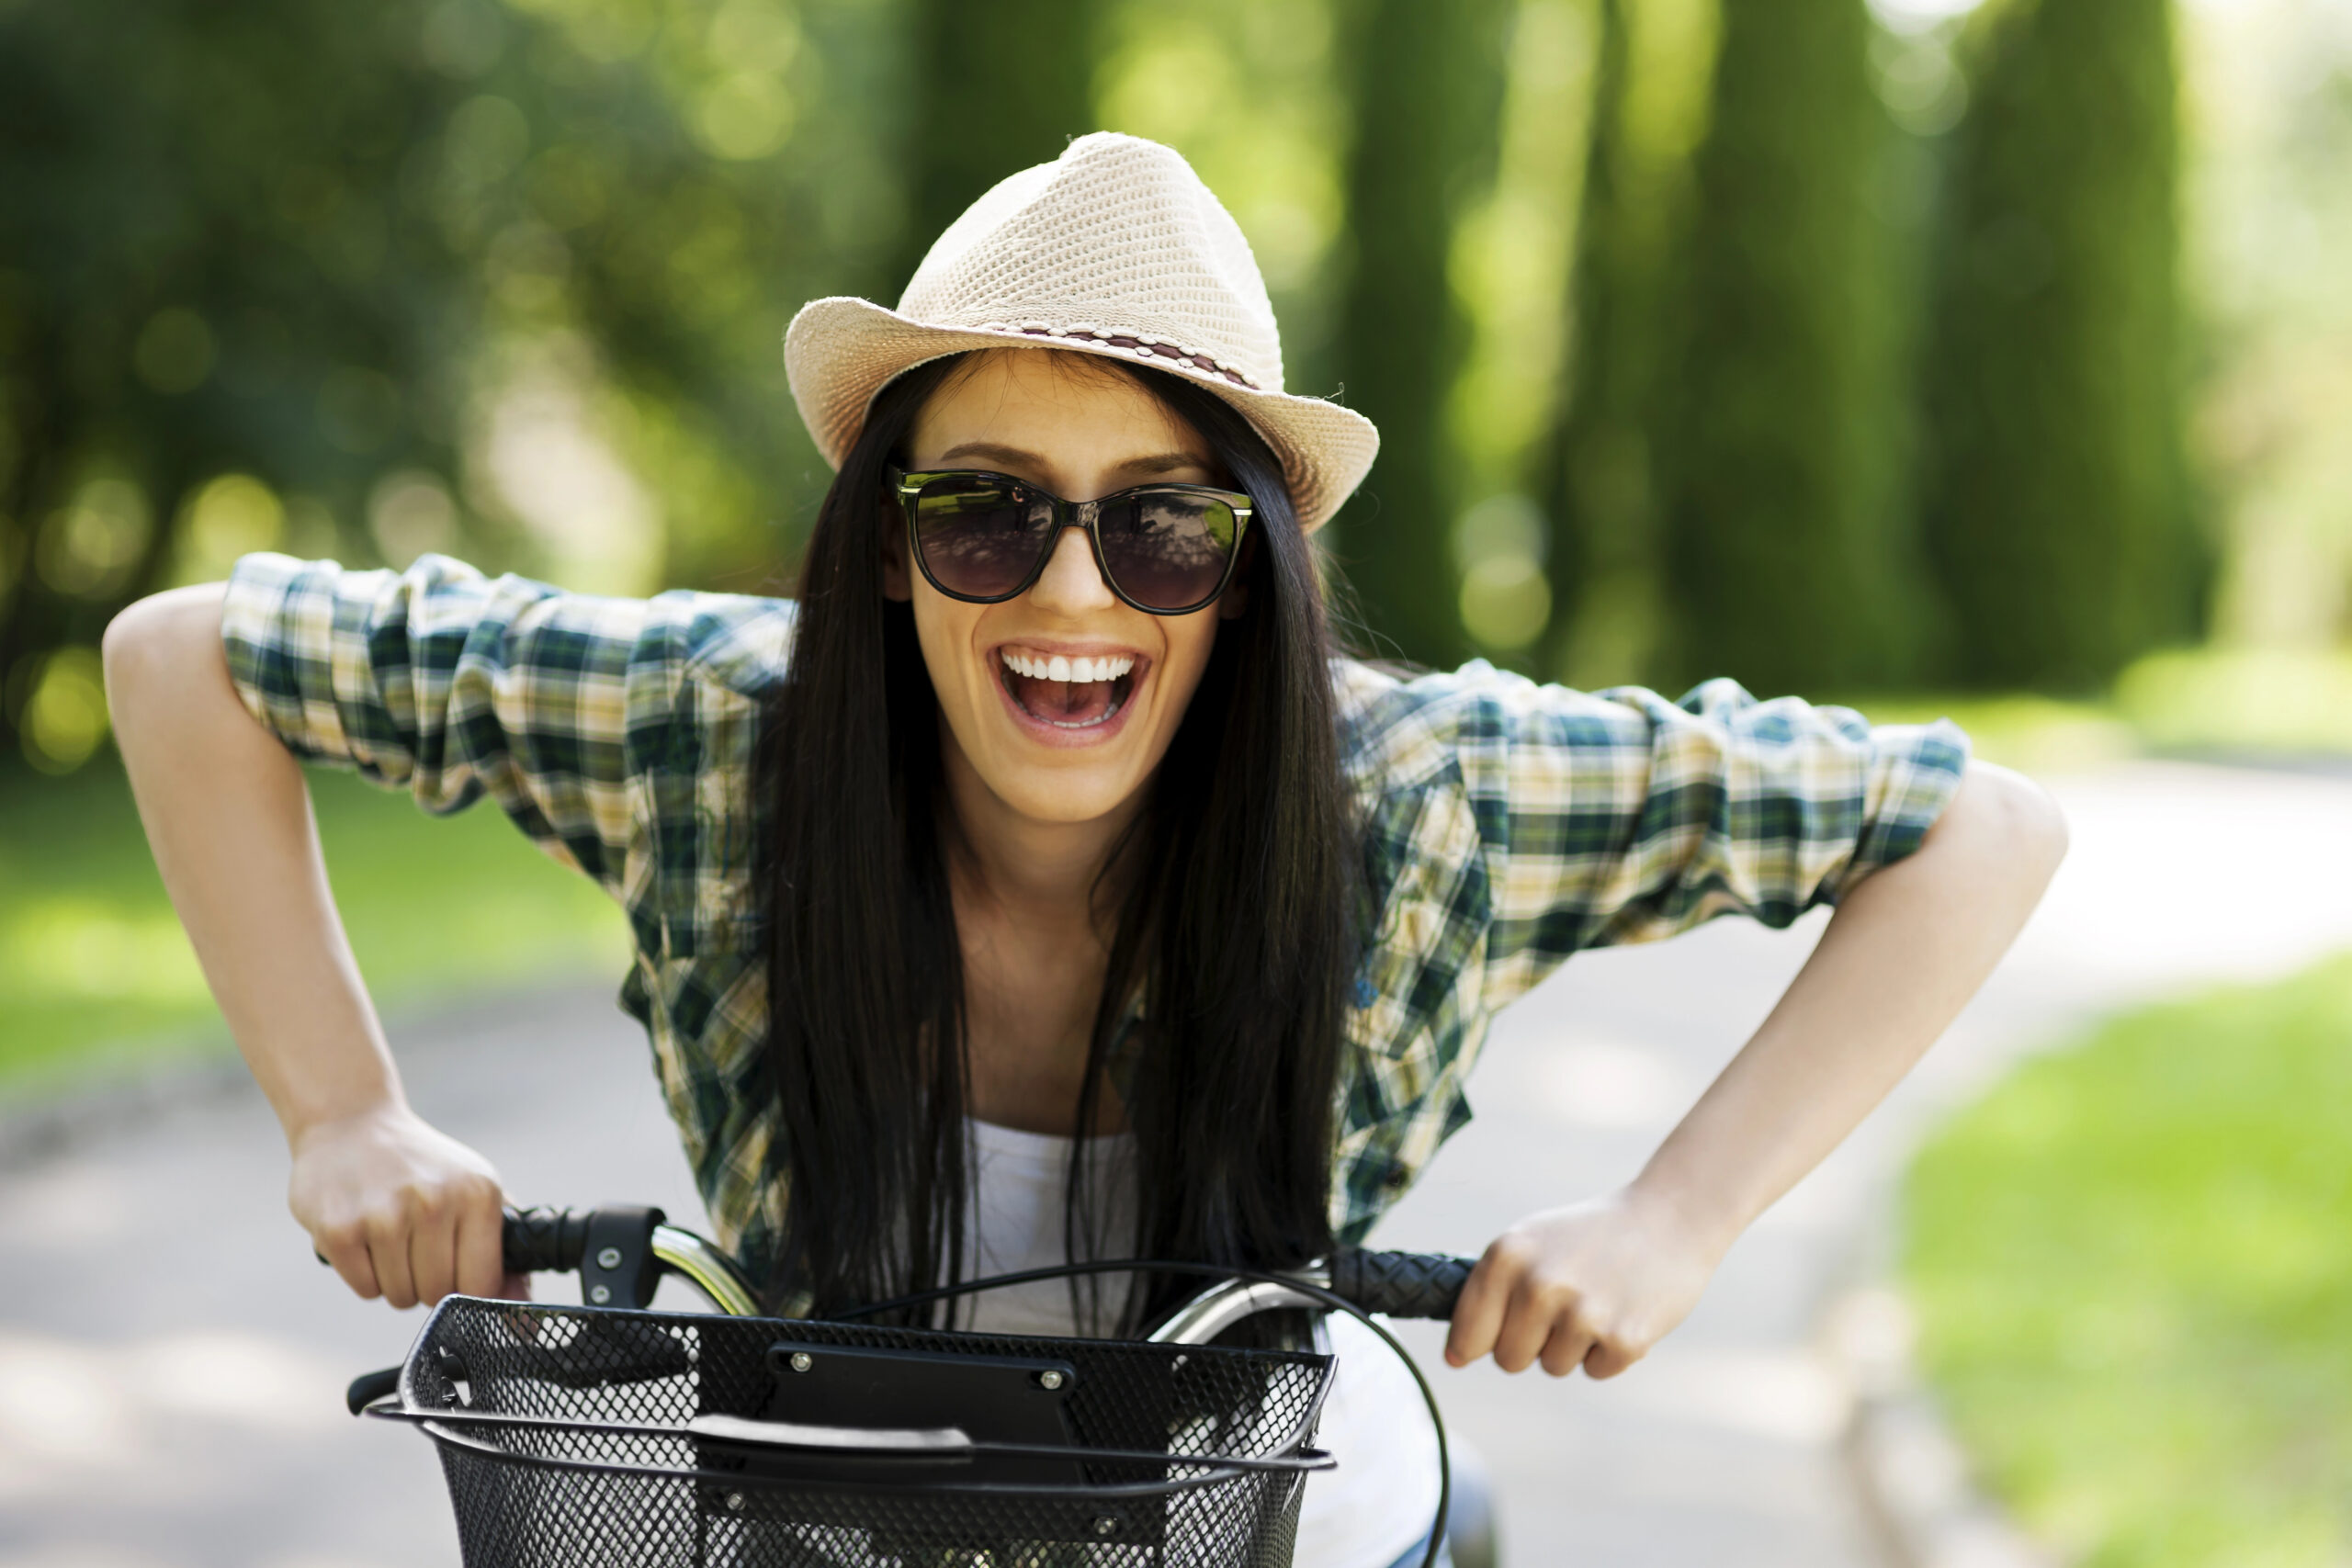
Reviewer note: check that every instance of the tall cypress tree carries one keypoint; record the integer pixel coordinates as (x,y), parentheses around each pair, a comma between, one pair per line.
(998,87)
(1780,552)
(1426,84)
(2056,511)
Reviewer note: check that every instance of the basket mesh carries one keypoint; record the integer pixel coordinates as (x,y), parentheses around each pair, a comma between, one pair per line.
(525,1498)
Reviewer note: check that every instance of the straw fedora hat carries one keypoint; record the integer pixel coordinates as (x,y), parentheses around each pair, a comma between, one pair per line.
(1115,248)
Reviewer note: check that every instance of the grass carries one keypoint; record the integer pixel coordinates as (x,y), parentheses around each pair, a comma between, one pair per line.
(97,974)
(2235,705)
(2032,734)
(2132,1269)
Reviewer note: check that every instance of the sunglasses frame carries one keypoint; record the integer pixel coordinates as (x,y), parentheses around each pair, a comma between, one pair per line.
(1086,515)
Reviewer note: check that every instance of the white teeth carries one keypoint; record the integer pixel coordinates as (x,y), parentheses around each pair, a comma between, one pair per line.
(1111,667)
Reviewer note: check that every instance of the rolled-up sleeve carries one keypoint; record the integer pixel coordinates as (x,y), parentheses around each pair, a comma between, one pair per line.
(1622,817)
(450,685)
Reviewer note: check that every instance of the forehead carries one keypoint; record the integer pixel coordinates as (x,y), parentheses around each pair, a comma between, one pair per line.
(1050,399)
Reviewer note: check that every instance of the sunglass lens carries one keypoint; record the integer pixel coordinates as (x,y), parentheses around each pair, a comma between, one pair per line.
(979,536)
(1168,548)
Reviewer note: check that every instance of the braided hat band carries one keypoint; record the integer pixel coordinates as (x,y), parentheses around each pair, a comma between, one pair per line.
(1115,248)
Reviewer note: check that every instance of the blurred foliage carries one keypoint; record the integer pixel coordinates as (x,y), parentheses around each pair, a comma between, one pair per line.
(2056,507)
(1780,544)
(1425,82)
(504,279)
(1602,485)
(1639,291)
(995,88)
(2132,1265)
(2270,127)
(92,957)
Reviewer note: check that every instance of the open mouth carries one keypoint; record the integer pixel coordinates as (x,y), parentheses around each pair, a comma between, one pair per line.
(1069,694)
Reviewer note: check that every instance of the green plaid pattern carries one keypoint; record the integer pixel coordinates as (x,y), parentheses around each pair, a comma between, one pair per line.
(1509,825)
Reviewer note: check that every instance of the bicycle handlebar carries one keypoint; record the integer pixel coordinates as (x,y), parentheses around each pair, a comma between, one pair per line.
(1395,1284)
(546,1241)
(1400,1284)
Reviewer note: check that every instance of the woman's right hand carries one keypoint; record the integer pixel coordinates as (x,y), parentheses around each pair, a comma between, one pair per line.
(400,1209)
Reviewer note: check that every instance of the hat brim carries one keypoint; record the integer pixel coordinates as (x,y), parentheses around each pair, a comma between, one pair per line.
(840,352)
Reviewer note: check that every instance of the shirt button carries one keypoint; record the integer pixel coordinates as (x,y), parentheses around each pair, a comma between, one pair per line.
(1366,996)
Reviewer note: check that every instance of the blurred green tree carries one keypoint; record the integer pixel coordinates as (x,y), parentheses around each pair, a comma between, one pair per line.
(1781,523)
(272,279)
(995,88)
(1601,488)
(206,269)
(2056,509)
(1426,88)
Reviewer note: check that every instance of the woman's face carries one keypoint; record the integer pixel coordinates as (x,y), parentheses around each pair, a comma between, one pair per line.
(1057,751)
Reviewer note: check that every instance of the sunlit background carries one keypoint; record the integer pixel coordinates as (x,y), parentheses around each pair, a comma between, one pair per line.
(1995,361)
(1830,349)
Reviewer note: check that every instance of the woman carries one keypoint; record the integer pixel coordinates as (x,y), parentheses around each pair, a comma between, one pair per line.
(1040,883)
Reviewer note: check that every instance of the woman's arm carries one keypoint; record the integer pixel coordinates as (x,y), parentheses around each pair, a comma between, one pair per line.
(1597,1284)
(400,1210)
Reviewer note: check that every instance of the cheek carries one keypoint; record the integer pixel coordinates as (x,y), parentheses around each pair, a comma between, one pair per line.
(944,628)
(1190,641)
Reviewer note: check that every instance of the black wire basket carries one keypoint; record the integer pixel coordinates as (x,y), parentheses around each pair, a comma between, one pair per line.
(589,1438)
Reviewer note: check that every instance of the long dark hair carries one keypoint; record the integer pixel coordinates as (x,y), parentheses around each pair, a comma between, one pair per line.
(1238,931)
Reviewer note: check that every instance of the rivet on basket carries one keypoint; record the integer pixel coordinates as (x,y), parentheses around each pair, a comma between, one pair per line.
(802,1361)
(1107,1525)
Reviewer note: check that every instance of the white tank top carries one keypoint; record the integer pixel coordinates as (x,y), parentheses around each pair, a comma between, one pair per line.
(1362,1515)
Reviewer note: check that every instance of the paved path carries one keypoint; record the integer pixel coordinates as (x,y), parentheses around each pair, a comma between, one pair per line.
(170,1357)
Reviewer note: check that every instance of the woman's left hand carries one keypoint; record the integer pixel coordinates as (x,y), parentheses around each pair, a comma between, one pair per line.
(1594,1285)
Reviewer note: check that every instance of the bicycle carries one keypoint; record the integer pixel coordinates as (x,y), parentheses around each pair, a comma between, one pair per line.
(613,1435)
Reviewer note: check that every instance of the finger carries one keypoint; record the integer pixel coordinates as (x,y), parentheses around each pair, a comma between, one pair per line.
(515,1288)
(388,1246)
(1565,1352)
(1478,1311)
(481,1254)
(345,1246)
(1535,1311)
(433,1252)
(1608,1357)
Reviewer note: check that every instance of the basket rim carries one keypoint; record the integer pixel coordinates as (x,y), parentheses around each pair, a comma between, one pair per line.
(1293,1441)
(748,1481)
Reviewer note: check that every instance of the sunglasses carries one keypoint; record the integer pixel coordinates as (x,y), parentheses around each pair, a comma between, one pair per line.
(1168,549)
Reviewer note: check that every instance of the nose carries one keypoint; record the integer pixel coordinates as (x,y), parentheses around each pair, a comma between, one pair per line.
(1071,584)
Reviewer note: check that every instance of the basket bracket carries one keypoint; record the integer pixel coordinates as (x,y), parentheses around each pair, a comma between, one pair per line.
(617,1268)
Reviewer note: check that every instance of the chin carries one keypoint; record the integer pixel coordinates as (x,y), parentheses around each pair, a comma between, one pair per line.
(1062,795)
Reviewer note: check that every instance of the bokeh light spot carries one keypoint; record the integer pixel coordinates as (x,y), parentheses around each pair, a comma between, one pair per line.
(65,718)
(174,352)
(488,138)
(754,35)
(89,549)
(410,513)
(235,514)
(1506,603)
(463,39)
(747,115)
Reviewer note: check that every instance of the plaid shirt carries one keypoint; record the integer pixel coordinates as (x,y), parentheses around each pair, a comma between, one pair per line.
(1509,825)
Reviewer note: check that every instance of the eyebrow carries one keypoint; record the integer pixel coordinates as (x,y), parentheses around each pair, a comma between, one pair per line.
(1014,456)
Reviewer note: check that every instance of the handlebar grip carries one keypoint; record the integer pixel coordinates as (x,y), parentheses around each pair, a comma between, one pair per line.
(368,1387)
(1401,1284)
(546,1240)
